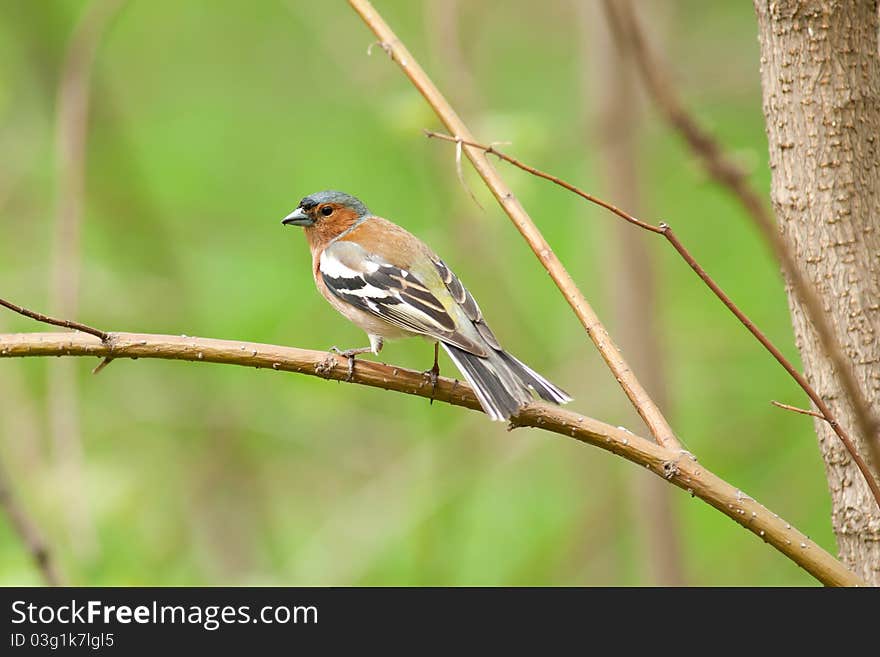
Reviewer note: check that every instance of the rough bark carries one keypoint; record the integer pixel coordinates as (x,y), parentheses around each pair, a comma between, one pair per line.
(821,85)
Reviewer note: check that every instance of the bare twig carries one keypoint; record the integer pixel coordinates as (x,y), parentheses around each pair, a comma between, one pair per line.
(675,466)
(29,533)
(802,411)
(634,390)
(490,149)
(725,172)
(667,232)
(100,366)
(66,323)
(460,173)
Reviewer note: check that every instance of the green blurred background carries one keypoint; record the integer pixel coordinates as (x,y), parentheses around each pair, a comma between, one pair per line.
(209,120)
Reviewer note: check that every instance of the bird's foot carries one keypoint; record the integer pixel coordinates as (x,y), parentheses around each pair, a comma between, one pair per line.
(350,355)
(433,375)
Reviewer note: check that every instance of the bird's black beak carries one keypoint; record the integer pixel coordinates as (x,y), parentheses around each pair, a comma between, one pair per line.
(297,218)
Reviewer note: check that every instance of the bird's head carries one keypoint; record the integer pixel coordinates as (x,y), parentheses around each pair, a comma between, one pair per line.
(326,207)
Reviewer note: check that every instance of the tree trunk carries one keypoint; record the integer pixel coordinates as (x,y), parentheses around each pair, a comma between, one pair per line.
(821,84)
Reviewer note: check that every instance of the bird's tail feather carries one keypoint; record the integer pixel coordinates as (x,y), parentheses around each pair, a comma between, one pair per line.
(546,390)
(502,383)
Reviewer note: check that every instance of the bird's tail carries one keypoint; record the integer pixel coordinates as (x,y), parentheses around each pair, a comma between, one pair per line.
(502,383)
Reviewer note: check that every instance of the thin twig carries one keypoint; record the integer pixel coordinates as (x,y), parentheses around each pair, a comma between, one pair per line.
(458,170)
(104,363)
(724,171)
(490,149)
(675,466)
(634,390)
(802,411)
(667,232)
(29,533)
(66,323)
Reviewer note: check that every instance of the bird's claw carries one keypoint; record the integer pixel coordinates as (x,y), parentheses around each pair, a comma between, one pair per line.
(433,375)
(350,355)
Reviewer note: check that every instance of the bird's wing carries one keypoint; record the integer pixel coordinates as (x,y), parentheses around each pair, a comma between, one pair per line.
(397,295)
(466,302)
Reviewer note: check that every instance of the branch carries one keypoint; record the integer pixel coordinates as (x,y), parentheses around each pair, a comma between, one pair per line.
(639,397)
(40,317)
(29,533)
(722,169)
(664,230)
(675,466)
(802,411)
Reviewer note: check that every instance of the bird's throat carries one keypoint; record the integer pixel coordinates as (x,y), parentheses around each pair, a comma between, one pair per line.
(321,233)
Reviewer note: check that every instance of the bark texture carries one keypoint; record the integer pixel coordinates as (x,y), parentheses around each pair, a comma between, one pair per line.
(821,85)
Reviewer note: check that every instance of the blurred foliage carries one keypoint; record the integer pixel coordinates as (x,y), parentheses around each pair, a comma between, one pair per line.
(209,121)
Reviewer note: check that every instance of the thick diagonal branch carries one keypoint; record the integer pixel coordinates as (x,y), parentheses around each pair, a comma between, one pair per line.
(634,390)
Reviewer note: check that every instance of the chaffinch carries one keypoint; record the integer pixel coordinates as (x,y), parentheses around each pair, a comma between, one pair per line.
(390,284)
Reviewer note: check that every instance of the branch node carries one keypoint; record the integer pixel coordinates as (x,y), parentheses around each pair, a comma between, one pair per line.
(740,496)
(670,469)
(384,45)
(458,170)
(325,367)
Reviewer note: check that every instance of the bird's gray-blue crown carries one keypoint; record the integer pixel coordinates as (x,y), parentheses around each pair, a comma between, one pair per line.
(333,196)
(322,205)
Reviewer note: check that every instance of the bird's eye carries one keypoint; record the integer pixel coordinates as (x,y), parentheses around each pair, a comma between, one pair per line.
(326,210)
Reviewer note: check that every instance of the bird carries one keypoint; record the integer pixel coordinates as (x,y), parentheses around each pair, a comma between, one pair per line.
(392,285)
